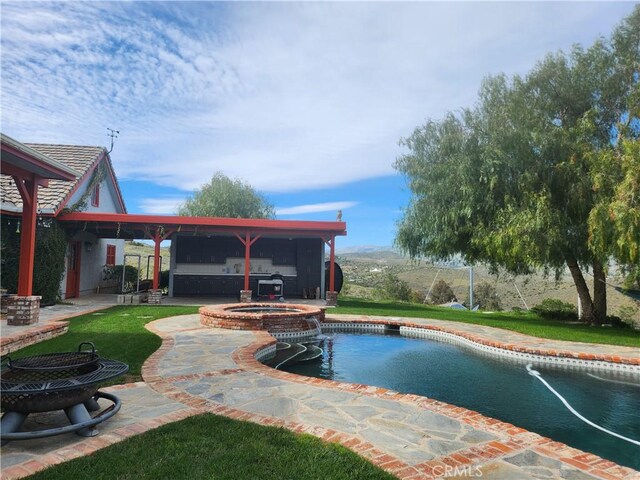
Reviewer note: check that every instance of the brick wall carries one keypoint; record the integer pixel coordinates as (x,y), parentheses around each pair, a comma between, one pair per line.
(22,310)
(11,343)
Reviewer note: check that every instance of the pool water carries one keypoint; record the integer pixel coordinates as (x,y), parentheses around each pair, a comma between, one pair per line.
(494,387)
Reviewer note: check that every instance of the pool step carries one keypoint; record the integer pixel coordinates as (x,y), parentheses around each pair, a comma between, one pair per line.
(285,354)
(293,353)
(313,352)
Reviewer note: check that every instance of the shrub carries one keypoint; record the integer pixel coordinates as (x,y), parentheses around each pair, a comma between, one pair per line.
(394,288)
(416,296)
(627,314)
(114,273)
(555,309)
(617,322)
(164,279)
(441,293)
(49,258)
(486,296)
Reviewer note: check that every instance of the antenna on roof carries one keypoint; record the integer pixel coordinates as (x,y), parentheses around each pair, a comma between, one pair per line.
(113,134)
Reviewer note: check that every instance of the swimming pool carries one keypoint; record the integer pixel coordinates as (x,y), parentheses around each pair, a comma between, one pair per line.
(494,387)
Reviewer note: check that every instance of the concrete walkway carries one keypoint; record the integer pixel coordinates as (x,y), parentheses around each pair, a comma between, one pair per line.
(202,369)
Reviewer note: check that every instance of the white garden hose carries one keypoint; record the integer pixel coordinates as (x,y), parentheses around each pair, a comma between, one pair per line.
(631,384)
(537,374)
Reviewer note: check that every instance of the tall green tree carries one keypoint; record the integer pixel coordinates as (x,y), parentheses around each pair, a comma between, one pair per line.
(225,197)
(510,182)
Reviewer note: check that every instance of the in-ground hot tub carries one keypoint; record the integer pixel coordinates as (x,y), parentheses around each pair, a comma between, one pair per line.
(273,317)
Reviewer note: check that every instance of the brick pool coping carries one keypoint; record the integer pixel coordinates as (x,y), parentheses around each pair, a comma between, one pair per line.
(514,439)
(518,439)
(485,340)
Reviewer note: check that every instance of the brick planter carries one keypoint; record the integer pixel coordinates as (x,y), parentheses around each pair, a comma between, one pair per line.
(332,299)
(155,296)
(22,310)
(3,300)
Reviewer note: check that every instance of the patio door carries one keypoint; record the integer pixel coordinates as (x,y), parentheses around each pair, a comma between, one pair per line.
(73,270)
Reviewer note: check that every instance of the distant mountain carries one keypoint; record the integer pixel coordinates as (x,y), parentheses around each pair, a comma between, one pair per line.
(378,253)
(365,249)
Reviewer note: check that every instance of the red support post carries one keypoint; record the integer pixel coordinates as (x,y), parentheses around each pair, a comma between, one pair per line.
(332,264)
(28,189)
(247,257)
(157,239)
(247,241)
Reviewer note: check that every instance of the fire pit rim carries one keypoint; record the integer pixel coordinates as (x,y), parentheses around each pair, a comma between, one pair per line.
(106,369)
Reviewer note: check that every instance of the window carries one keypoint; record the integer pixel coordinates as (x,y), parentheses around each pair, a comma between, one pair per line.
(95,196)
(111,255)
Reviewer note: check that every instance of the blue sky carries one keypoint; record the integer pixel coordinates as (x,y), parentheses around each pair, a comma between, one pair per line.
(305,101)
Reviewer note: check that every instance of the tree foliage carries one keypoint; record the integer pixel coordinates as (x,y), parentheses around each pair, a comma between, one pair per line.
(225,197)
(512,181)
(441,293)
(394,288)
(49,258)
(485,295)
(555,309)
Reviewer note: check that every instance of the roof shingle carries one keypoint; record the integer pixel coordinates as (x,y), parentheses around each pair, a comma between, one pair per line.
(80,158)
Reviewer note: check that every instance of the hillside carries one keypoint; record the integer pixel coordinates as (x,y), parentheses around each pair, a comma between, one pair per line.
(365,270)
(145,251)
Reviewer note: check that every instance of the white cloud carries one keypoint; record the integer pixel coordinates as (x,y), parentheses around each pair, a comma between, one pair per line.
(315,208)
(288,96)
(161,206)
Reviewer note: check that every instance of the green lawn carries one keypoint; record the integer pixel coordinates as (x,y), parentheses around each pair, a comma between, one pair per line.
(209,446)
(527,323)
(117,332)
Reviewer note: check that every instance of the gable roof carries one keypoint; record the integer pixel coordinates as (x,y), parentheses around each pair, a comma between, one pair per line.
(51,200)
(22,161)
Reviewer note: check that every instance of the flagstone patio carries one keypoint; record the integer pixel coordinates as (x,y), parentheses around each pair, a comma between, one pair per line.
(201,369)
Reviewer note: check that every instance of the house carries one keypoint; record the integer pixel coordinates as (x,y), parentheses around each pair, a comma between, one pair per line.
(230,256)
(77,186)
(94,189)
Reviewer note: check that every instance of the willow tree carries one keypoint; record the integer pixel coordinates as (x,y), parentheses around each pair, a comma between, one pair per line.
(226,197)
(510,182)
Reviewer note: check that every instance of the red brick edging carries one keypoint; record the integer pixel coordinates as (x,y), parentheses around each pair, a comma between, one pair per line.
(30,336)
(492,343)
(90,445)
(518,439)
(514,439)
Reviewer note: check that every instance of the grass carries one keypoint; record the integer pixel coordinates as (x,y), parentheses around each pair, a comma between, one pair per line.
(527,323)
(117,332)
(209,446)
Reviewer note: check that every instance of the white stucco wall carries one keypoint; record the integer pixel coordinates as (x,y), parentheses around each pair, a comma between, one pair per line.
(108,197)
(92,262)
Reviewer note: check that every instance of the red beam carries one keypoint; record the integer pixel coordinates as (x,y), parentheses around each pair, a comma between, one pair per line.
(254,224)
